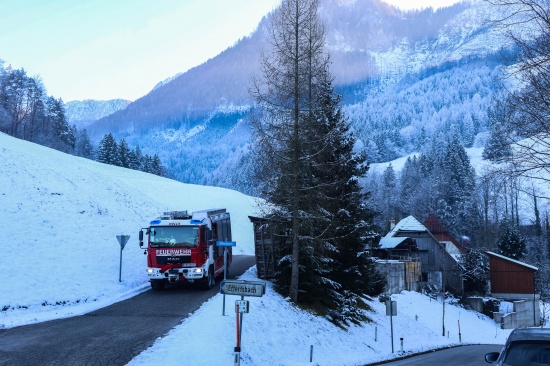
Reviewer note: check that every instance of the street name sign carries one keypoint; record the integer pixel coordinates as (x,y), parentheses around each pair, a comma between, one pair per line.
(242,288)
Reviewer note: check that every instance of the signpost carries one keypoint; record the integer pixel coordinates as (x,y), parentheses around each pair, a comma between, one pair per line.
(225,244)
(391,311)
(241,288)
(122,240)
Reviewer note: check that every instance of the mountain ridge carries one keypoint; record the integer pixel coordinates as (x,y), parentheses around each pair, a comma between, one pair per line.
(82,113)
(378,52)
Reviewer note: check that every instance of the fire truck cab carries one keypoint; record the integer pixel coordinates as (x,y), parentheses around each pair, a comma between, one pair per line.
(182,247)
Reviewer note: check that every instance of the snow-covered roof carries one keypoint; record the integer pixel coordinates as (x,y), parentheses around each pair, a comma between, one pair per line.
(409,223)
(511,260)
(390,243)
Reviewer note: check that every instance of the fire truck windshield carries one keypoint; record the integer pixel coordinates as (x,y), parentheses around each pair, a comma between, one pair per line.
(174,236)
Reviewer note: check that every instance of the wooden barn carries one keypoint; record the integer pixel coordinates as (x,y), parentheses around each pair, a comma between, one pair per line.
(440,270)
(514,281)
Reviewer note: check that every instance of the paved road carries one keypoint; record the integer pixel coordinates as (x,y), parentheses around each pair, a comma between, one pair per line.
(457,356)
(110,336)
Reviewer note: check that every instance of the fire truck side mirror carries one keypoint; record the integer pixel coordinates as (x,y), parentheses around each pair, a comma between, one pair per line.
(140,238)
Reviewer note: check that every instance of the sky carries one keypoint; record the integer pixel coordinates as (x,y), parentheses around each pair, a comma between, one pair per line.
(104,49)
(75,200)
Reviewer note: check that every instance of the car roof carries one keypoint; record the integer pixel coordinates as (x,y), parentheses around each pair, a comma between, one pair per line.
(529,334)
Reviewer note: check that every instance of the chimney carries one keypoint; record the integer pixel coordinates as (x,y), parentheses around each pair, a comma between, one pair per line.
(392,224)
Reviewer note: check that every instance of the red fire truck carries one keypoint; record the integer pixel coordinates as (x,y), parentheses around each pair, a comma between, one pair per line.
(182,247)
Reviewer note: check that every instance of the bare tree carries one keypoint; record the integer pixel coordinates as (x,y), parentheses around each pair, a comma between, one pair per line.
(527,23)
(286,95)
(16,100)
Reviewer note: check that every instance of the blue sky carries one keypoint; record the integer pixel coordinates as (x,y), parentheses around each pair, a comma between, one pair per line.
(105,49)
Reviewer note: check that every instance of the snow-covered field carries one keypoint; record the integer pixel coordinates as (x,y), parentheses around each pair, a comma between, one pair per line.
(60,217)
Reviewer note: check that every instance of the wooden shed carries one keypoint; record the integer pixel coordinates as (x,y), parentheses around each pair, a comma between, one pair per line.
(514,281)
(509,276)
(264,249)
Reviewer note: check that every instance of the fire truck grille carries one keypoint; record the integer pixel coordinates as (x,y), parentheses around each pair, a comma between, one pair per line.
(174,259)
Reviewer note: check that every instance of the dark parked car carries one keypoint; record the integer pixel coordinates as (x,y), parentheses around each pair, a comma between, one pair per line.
(524,347)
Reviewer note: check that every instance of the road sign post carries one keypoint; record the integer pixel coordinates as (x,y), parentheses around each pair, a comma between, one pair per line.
(122,240)
(242,289)
(391,311)
(225,244)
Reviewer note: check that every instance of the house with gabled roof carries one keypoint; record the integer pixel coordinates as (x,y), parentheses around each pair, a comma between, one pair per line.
(439,269)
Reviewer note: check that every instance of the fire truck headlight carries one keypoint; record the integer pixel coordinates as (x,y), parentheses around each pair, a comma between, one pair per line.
(150,270)
(198,270)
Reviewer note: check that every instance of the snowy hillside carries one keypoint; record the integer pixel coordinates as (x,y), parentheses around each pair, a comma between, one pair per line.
(61,215)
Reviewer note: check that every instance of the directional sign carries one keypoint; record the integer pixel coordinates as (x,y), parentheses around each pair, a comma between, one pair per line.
(122,240)
(226,243)
(242,288)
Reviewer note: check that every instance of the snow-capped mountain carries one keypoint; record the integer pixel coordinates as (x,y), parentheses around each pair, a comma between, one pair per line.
(404,78)
(83,113)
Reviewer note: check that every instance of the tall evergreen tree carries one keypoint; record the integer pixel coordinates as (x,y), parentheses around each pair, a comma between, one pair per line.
(498,147)
(410,187)
(309,171)
(123,152)
(84,147)
(347,222)
(36,93)
(460,182)
(61,135)
(107,150)
(135,159)
(156,166)
(475,265)
(147,164)
(511,243)
(389,193)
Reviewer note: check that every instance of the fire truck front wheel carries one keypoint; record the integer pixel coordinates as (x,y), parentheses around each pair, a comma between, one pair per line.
(158,285)
(210,279)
